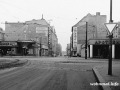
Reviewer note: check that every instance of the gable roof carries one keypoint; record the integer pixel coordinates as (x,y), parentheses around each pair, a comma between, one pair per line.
(82,21)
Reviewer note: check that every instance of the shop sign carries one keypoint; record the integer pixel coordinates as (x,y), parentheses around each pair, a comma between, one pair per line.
(8,44)
(106,42)
(74,36)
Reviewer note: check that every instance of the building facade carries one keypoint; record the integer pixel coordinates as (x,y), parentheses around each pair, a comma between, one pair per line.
(29,38)
(97,37)
(95,29)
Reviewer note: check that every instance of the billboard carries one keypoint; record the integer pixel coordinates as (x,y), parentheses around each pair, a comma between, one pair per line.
(43,30)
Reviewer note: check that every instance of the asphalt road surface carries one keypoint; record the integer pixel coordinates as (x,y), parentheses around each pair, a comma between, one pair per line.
(50,74)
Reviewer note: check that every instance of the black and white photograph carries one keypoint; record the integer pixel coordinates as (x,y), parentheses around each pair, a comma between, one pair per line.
(59,44)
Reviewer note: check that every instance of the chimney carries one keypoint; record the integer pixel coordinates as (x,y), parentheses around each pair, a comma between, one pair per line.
(97,13)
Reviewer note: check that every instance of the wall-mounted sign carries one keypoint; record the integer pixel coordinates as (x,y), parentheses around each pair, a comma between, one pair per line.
(8,43)
(43,30)
(106,42)
(75,37)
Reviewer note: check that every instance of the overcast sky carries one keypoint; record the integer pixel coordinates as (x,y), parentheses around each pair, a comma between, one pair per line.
(63,14)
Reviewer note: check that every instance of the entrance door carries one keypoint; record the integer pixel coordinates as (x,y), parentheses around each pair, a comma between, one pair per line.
(117,51)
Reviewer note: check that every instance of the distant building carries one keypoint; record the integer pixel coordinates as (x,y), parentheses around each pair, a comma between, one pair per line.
(59,50)
(68,50)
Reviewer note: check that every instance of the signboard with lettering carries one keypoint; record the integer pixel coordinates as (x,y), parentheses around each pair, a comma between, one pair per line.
(104,42)
(8,43)
(75,37)
(43,30)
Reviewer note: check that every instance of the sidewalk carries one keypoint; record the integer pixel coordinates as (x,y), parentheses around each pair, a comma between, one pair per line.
(108,82)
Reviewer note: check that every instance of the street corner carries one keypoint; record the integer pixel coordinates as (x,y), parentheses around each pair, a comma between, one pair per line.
(100,80)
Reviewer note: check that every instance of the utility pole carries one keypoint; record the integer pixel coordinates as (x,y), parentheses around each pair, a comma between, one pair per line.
(86,42)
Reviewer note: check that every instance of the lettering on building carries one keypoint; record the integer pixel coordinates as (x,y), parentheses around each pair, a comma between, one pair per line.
(75,37)
(8,44)
(106,42)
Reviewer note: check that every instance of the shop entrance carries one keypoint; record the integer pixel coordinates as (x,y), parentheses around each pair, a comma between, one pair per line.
(100,51)
(117,51)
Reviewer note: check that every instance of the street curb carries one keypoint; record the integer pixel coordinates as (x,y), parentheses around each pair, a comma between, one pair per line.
(100,79)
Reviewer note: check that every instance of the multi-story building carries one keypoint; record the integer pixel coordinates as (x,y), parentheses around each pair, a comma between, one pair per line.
(95,29)
(29,38)
(97,37)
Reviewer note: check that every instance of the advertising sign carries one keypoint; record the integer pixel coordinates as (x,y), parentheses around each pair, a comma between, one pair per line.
(75,37)
(43,30)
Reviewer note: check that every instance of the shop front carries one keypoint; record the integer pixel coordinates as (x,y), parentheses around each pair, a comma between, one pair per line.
(17,48)
(8,48)
(99,48)
(22,48)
